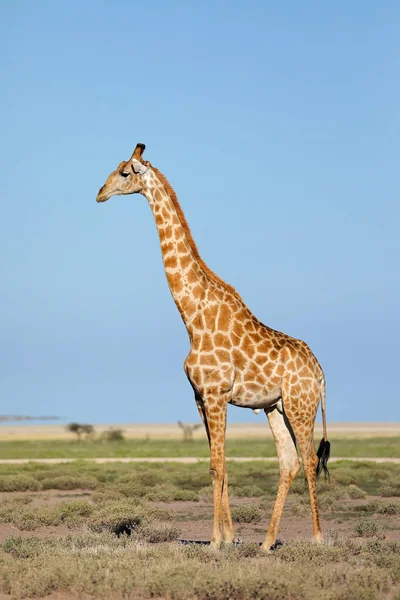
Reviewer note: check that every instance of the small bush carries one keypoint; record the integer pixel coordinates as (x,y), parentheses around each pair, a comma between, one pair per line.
(117,518)
(246,514)
(391,486)
(366,528)
(104,496)
(355,492)
(22,547)
(73,512)
(169,493)
(31,518)
(69,482)
(381,507)
(158,532)
(125,517)
(318,554)
(247,491)
(18,483)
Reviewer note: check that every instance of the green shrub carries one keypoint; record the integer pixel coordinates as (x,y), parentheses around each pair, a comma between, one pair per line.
(355,492)
(103,496)
(247,491)
(117,518)
(317,554)
(18,483)
(170,493)
(73,512)
(246,514)
(23,547)
(69,482)
(158,531)
(391,486)
(366,528)
(125,517)
(381,507)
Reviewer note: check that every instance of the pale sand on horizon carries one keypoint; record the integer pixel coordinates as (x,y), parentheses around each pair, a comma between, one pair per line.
(172,431)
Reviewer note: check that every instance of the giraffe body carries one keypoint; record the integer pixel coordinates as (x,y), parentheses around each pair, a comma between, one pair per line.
(233,358)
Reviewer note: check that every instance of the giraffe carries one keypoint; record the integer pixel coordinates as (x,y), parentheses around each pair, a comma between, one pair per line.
(233,358)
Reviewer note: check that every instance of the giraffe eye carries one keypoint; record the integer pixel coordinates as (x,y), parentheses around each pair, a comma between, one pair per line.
(125,175)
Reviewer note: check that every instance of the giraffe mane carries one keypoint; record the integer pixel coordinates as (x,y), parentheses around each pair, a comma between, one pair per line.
(170,190)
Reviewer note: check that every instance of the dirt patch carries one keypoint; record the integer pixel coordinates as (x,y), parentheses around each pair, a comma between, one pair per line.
(195,519)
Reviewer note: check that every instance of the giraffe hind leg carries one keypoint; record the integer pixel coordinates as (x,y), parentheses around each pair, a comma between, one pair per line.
(289,466)
(301,409)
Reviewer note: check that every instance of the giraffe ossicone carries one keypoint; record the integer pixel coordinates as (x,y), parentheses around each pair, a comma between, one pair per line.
(233,358)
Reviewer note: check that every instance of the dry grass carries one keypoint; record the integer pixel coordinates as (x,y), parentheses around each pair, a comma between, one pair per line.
(105,566)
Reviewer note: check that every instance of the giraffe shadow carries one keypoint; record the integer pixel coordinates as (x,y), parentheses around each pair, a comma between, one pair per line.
(235,543)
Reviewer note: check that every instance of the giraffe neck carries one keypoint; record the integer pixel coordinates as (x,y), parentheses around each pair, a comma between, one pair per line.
(188,276)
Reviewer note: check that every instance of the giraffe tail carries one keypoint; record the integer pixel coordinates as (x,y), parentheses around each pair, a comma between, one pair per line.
(324,449)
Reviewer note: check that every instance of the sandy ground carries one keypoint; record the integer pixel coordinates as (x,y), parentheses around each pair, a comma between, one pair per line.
(172,431)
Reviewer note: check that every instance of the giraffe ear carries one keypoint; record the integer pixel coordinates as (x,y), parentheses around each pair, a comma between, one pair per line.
(138,168)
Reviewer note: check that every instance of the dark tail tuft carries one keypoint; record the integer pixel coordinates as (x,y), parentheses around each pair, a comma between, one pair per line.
(323,453)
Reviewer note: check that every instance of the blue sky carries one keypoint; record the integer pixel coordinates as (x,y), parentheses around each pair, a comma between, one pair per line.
(278,125)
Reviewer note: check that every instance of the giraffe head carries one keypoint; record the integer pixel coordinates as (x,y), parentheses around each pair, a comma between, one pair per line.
(127,178)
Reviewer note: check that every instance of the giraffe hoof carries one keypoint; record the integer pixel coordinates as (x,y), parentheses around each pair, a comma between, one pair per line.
(278,544)
(268,549)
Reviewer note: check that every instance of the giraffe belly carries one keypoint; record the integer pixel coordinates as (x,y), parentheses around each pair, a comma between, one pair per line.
(256,399)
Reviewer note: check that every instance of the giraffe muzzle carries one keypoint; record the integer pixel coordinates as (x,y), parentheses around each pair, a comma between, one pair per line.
(101,196)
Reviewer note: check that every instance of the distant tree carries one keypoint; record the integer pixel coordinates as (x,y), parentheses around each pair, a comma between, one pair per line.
(88,430)
(81,429)
(75,428)
(188,430)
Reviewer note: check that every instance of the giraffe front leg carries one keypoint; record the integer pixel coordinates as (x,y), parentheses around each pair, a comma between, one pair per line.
(215,415)
(227,525)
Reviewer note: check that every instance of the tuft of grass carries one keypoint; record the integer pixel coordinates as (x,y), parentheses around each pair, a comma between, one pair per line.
(317,554)
(18,483)
(170,493)
(355,492)
(247,491)
(126,517)
(382,507)
(246,514)
(391,486)
(29,518)
(366,528)
(158,531)
(69,482)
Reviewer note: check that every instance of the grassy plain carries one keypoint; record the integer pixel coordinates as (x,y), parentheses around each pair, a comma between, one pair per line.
(383,447)
(84,530)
